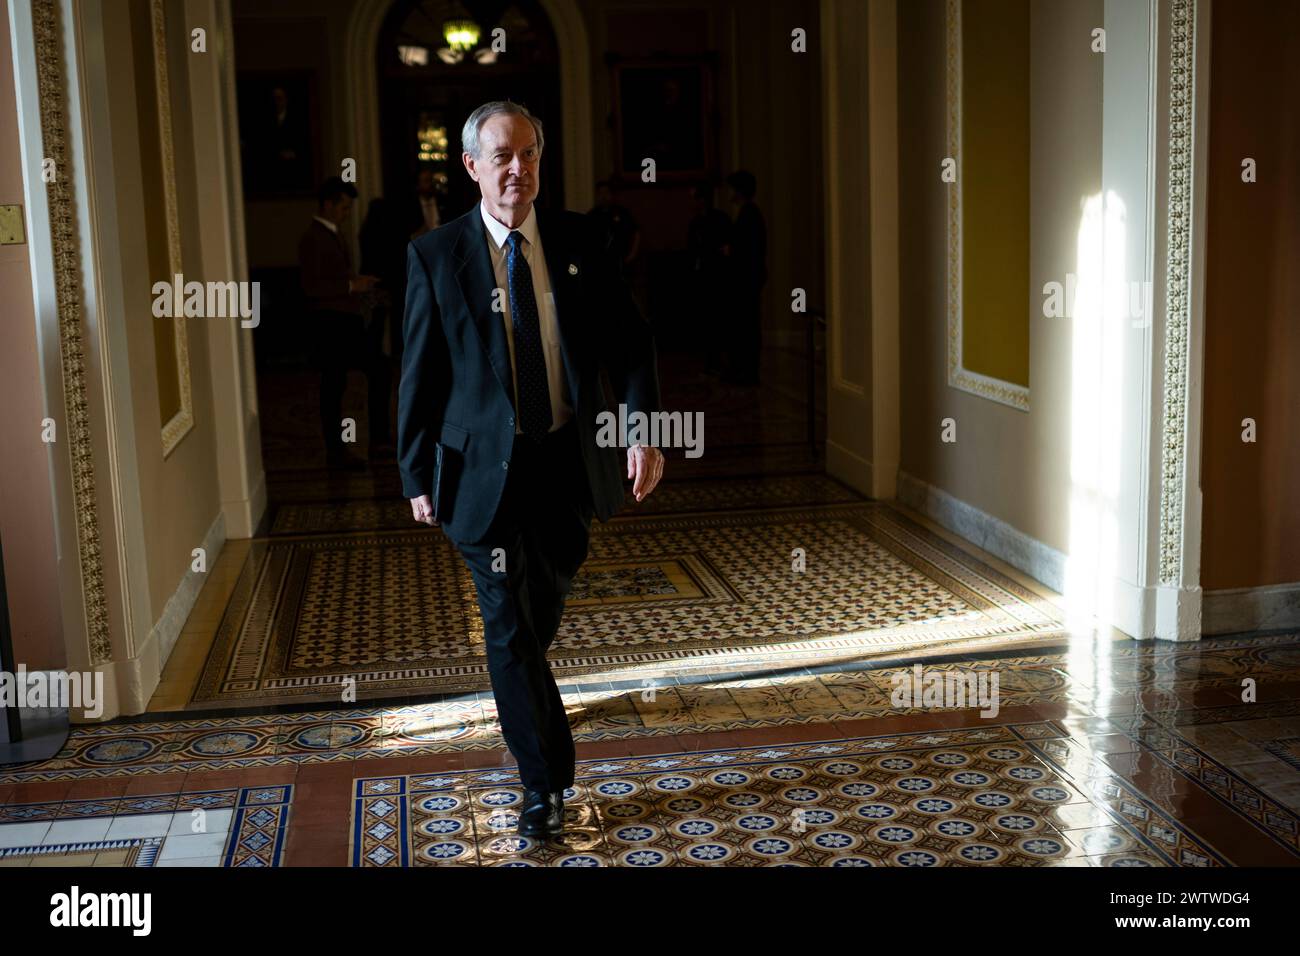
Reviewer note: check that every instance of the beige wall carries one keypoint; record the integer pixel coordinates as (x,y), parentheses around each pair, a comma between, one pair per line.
(1011,464)
(295,35)
(1252,299)
(26,506)
(179,495)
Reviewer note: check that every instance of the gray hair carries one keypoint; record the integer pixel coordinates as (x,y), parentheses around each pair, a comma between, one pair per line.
(469,133)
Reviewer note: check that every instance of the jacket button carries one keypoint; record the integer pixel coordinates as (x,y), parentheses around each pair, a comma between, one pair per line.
(511,421)
(505,464)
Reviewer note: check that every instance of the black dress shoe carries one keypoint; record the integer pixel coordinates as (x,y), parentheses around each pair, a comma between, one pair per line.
(542,814)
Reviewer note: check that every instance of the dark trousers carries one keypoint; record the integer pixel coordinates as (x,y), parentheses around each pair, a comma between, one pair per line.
(342,343)
(542,527)
(710,314)
(746,335)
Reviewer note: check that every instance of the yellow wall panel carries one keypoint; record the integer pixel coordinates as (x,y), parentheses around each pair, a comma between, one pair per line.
(994,173)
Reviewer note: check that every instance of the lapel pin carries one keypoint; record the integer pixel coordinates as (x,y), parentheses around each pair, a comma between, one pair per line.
(573,270)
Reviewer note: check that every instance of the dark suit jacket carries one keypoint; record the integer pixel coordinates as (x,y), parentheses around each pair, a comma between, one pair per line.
(456,419)
(326,267)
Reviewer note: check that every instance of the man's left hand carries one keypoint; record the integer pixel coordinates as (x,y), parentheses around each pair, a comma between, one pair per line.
(646,466)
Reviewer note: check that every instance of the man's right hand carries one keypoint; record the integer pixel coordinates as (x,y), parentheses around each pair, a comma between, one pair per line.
(422,509)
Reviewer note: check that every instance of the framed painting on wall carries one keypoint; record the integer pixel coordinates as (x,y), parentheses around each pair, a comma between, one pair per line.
(279,133)
(663,110)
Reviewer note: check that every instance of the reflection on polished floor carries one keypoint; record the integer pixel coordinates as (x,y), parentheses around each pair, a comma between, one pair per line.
(759,747)
(1100,755)
(727,709)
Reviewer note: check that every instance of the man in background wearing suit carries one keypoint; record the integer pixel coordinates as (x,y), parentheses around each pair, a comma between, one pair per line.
(424,214)
(338,334)
(511,311)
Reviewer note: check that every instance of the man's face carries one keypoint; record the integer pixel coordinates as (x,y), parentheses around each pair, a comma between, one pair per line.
(336,210)
(507,167)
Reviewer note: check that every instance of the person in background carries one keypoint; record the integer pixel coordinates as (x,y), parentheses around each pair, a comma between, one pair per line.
(707,240)
(424,213)
(748,271)
(335,309)
(622,235)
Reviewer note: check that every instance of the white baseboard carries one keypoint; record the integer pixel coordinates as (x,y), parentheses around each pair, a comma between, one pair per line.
(132,682)
(1038,560)
(168,628)
(1142,612)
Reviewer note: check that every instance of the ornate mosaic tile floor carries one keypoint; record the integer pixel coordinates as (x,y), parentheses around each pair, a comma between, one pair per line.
(1109,677)
(1105,753)
(967,797)
(236,827)
(396,612)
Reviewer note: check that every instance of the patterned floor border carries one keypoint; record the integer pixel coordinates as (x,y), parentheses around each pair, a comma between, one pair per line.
(1183,757)
(141,747)
(453,818)
(256,837)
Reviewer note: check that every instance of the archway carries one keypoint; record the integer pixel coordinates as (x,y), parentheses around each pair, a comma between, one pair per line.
(427,89)
(575,139)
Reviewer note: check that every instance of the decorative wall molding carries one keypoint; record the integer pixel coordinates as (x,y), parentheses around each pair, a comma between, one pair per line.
(179,425)
(51,84)
(1006,393)
(1178,253)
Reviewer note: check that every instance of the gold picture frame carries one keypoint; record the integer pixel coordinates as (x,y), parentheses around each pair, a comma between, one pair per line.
(180,423)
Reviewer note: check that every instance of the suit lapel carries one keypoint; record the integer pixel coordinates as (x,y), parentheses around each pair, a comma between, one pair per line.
(560,259)
(478,284)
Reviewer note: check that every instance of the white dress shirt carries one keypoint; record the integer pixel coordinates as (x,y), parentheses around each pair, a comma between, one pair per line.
(497,234)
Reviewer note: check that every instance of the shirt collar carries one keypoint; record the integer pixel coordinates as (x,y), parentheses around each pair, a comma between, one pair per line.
(500,231)
(327,224)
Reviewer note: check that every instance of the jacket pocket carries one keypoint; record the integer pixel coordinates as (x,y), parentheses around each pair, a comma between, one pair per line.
(453,436)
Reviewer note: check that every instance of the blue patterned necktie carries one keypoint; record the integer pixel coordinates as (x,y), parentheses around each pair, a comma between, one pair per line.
(530,360)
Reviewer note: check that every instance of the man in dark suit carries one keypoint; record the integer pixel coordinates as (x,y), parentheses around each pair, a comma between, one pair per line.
(511,311)
(422,212)
(340,337)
